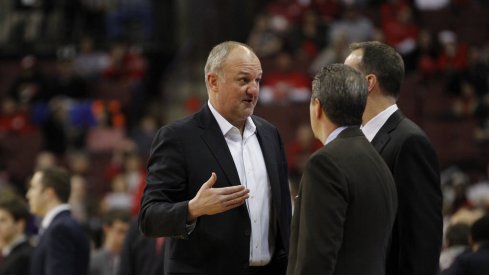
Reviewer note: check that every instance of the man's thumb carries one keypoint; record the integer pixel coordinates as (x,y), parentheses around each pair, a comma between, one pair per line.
(211,181)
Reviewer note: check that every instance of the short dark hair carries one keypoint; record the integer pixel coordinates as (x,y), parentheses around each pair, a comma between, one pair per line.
(116,215)
(58,179)
(15,206)
(480,230)
(458,234)
(384,62)
(342,92)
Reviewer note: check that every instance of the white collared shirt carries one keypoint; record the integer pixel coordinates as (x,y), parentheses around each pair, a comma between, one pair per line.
(372,127)
(46,221)
(335,134)
(249,161)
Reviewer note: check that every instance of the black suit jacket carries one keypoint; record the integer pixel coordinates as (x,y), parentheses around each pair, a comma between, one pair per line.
(63,248)
(18,261)
(417,234)
(182,158)
(344,211)
(471,263)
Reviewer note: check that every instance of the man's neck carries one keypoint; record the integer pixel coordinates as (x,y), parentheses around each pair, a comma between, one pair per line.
(375,107)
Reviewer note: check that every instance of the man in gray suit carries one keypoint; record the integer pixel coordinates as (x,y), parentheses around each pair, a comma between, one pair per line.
(347,199)
(106,260)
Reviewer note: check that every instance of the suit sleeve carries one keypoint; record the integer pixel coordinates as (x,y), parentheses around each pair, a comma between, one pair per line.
(420,202)
(323,207)
(164,203)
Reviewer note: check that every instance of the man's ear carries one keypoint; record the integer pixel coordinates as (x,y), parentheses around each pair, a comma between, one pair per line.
(212,80)
(317,108)
(372,82)
(49,191)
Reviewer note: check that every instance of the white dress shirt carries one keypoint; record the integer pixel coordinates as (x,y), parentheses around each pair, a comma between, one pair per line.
(372,127)
(335,134)
(46,221)
(248,159)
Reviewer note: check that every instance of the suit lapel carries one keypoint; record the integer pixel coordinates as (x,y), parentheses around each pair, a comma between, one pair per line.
(383,136)
(264,138)
(214,139)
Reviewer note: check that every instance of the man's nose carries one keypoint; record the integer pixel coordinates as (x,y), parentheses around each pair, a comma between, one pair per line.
(253,88)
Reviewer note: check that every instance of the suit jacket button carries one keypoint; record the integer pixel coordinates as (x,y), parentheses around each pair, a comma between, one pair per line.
(247,232)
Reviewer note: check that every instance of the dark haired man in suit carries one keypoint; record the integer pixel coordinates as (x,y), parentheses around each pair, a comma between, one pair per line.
(63,246)
(417,235)
(15,249)
(346,205)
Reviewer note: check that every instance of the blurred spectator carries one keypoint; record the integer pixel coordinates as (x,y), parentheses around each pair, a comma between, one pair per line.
(456,243)
(467,103)
(15,249)
(118,198)
(285,83)
(390,8)
(125,63)
(401,31)
(466,215)
(89,62)
(431,4)
(482,116)
(477,261)
(299,149)
(78,199)
(309,36)
(23,23)
(328,10)
(124,14)
(284,13)
(109,131)
(263,39)
(13,119)
(141,254)
(336,52)
(30,84)
(65,82)
(354,25)
(107,259)
(143,134)
(55,128)
(137,195)
(60,20)
(477,71)
(424,57)
(92,18)
(455,194)
(134,171)
(478,195)
(119,153)
(45,159)
(78,163)
(48,195)
(452,61)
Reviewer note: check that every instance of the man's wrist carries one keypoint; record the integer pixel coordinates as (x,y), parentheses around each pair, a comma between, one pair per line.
(192,214)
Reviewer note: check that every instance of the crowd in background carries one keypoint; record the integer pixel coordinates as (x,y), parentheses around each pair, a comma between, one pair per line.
(88,106)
